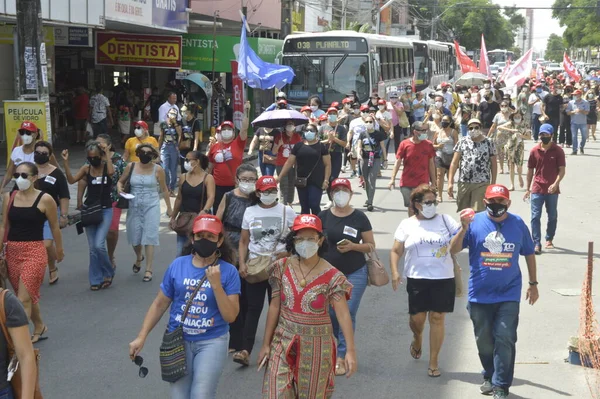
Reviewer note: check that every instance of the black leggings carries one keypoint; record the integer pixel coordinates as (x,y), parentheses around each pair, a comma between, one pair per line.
(236,329)
(255,299)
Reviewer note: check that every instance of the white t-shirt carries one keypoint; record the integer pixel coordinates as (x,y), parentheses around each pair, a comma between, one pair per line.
(537,107)
(264,225)
(18,156)
(427,246)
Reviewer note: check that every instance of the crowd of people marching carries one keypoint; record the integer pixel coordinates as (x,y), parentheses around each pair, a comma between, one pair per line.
(239,238)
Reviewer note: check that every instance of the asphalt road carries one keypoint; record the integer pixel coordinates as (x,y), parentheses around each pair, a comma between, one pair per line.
(86,355)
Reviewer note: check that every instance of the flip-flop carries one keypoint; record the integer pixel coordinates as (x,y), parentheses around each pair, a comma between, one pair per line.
(52,282)
(416,354)
(107,283)
(147,278)
(40,335)
(434,373)
(137,265)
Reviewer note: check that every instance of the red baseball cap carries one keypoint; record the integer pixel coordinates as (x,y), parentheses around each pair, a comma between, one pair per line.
(334,104)
(323,117)
(265,183)
(347,101)
(307,222)
(29,126)
(305,108)
(577,92)
(445,84)
(364,107)
(332,109)
(209,223)
(142,124)
(341,183)
(381,101)
(497,191)
(227,123)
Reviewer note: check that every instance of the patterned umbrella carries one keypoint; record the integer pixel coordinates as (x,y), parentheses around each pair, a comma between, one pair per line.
(278,118)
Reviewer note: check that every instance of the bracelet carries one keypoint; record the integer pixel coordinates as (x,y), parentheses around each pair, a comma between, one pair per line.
(533,283)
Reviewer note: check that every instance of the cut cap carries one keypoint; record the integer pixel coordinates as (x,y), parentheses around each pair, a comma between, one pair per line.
(497,191)
(341,183)
(381,101)
(29,126)
(305,108)
(307,222)
(209,223)
(332,109)
(142,124)
(266,183)
(228,124)
(364,107)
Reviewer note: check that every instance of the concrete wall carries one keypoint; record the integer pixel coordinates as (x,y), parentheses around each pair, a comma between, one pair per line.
(267,12)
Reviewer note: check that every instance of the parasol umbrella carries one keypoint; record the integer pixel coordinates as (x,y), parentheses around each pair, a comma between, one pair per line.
(471,79)
(278,118)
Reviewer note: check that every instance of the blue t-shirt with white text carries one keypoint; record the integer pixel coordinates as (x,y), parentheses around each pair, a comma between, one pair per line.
(204,321)
(494,250)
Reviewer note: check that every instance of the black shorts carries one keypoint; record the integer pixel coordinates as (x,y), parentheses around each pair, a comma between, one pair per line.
(426,295)
(439,163)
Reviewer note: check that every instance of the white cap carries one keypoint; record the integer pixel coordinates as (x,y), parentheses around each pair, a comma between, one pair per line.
(281,95)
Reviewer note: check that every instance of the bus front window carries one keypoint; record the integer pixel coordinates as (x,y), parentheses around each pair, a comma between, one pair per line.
(345,74)
(421,72)
(308,80)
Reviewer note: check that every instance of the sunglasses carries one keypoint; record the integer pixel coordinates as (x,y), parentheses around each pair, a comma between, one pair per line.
(41,153)
(143,372)
(25,133)
(473,127)
(421,130)
(24,175)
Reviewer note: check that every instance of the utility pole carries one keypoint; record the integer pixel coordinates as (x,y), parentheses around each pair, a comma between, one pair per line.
(433,20)
(344,11)
(32,77)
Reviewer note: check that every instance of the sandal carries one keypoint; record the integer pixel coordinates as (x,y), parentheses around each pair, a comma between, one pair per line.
(416,354)
(340,368)
(147,278)
(137,265)
(242,357)
(96,287)
(40,335)
(107,283)
(434,373)
(50,280)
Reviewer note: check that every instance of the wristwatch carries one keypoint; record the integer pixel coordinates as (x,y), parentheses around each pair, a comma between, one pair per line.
(533,283)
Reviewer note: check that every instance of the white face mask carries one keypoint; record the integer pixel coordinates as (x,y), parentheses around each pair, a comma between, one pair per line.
(23,184)
(429,211)
(306,249)
(437,117)
(341,199)
(438,104)
(381,107)
(474,133)
(487,85)
(188,166)
(290,128)
(517,121)
(27,139)
(138,132)
(313,108)
(227,134)
(247,188)
(467,101)
(268,199)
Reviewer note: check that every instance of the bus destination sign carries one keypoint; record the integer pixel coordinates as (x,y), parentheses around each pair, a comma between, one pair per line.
(325,45)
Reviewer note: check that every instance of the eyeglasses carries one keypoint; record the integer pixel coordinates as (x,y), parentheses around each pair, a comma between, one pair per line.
(247,180)
(269,232)
(24,175)
(25,133)
(422,130)
(473,127)
(138,360)
(298,240)
(434,202)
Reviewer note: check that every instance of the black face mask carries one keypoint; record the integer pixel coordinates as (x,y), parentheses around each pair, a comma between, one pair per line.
(545,140)
(145,158)
(204,248)
(41,159)
(95,161)
(445,124)
(496,210)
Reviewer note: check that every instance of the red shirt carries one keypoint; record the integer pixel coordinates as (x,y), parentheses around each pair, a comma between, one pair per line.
(226,158)
(415,158)
(81,105)
(287,143)
(545,163)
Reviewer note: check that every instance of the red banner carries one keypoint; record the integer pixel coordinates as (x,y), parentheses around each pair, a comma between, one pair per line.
(570,68)
(466,64)
(238,96)
(138,50)
(484,62)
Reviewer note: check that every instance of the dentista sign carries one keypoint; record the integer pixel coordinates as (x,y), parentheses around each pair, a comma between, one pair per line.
(138,50)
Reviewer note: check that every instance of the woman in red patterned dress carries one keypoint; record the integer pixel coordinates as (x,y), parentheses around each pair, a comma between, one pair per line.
(298,343)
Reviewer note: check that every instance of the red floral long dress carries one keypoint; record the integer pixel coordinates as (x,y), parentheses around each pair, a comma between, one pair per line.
(303,351)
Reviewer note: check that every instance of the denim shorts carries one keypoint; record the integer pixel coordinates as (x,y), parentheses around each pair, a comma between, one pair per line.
(48,233)
(7,393)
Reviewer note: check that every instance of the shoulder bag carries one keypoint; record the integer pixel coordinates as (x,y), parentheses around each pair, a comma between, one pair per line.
(377,275)
(457,269)
(258,268)
(15,382)
(91,215)
(185,220)
(123,203)
(3,264)
(302,182)
(173,362)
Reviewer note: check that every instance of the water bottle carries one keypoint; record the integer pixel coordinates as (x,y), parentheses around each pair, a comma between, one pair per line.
(371,158)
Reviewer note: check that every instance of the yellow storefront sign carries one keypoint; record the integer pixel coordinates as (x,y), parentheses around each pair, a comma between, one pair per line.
(17,112)
(151,51)
(7,36)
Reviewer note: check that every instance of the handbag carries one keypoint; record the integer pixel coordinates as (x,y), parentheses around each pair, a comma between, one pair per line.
(185,220)
(458,282)
(173,362)
(377,275)
(3,264)
(259,267)
(123,203)
(302,182)
(15,382)
(269,159)
(91,215)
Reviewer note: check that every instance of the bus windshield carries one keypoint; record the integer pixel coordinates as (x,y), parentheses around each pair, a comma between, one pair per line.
(330,77)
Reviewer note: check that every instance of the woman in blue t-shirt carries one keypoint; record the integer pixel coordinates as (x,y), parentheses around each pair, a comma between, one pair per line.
(206,328)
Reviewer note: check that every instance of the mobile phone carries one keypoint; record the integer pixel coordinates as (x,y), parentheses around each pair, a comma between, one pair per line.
(262,363)
(343,242)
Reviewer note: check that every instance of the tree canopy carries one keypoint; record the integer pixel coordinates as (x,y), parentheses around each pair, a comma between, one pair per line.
(555,48)
(582,25)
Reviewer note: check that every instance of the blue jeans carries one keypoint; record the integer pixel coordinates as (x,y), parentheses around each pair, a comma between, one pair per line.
(266,169)
(358,279)
(464,129)
(575,127)
(169,155)
(537,203)
(181,241)
(310,199)
(100,264)
(535,126)
(495,326)
(205,364)
(419,118)
(7,393)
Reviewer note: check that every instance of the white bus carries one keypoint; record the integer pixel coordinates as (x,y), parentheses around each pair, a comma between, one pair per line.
(333,64)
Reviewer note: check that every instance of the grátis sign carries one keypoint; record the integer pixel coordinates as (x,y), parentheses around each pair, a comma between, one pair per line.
(138,50)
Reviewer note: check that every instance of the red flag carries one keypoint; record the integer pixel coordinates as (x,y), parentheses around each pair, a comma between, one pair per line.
(570,68)
(505,71)
(466,64)
(484,62)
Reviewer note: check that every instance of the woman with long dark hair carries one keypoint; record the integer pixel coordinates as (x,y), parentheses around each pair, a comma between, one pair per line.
(206,328)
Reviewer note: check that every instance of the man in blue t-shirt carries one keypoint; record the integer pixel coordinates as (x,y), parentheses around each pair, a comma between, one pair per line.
(495,240)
